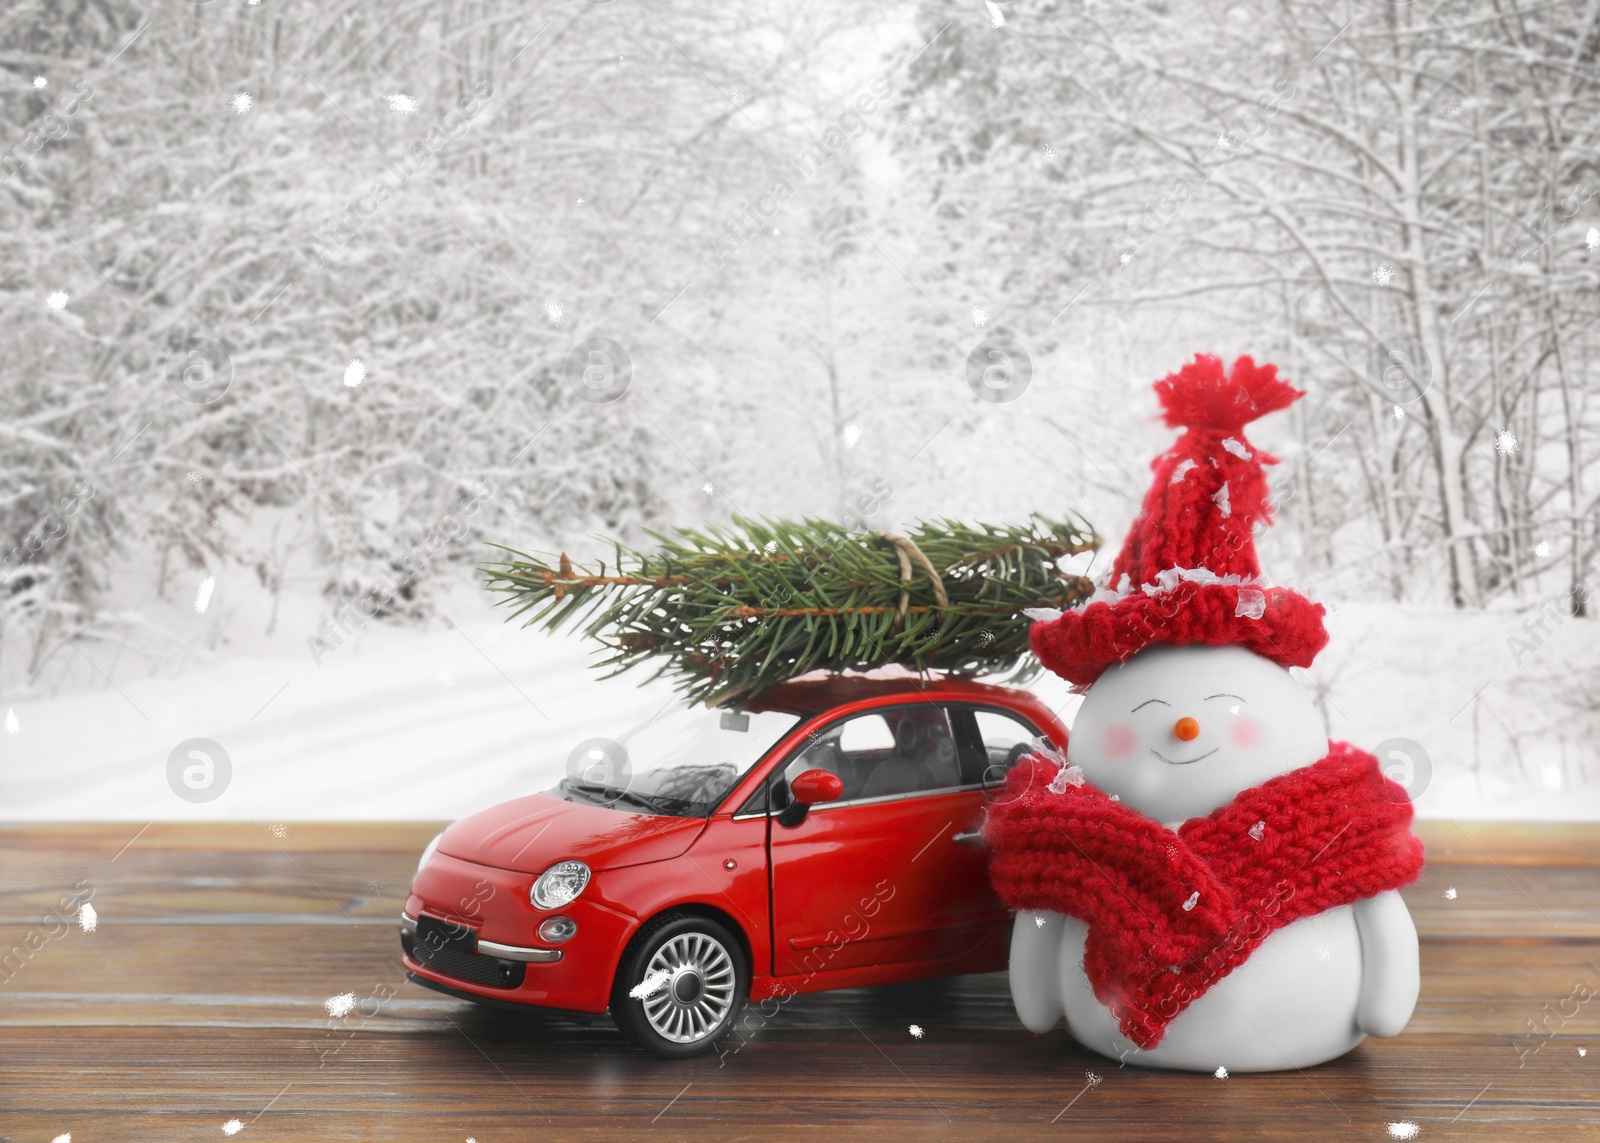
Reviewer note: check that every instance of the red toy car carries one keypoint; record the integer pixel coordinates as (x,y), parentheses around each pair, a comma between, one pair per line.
(824,835)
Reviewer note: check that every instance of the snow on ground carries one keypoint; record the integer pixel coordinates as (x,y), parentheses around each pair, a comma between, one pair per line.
(436,723)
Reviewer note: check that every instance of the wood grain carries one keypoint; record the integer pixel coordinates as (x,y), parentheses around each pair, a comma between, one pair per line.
(199,999)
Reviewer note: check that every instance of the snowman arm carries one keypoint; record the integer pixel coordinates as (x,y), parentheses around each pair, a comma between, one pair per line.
(1391,970)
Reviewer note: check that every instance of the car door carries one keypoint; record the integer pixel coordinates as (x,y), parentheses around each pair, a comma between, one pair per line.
(893,870)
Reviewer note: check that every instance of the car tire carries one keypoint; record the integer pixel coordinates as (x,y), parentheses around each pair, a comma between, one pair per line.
(699,993)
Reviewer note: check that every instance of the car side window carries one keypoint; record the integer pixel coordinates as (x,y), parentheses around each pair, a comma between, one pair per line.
(995,741)
(887,752)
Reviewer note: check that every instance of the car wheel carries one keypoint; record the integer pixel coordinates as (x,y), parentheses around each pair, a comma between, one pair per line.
(681,984)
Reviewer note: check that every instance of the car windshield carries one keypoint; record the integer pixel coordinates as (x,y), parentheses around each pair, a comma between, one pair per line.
(682,762)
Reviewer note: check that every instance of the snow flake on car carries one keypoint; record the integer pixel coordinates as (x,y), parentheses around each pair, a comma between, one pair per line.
(650,985)
(401,104)
(338,1005)
(241,103)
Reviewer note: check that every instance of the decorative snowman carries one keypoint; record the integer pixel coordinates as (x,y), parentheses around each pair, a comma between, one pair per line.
(1204,881)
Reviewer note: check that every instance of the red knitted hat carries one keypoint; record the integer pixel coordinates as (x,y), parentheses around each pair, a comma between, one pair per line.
(1187,572)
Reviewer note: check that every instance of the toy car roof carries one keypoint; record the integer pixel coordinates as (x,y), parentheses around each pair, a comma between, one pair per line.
(814,695)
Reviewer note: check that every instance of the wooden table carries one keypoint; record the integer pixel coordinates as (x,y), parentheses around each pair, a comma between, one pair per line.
(199,999)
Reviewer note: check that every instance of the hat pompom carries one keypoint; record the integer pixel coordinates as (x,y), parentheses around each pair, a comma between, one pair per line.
(1202,395)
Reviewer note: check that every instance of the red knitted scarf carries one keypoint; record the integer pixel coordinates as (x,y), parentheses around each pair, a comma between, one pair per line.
(1170,914)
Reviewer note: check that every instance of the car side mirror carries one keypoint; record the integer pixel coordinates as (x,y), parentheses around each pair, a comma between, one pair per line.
(807,789)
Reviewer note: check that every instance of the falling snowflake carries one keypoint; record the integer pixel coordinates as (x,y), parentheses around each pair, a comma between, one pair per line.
(1047,154)
(202,598)
(580,200)
(1552,777)
(1542,549)
(980,316)
(708,488)
(1324,952)
(278,829)
(1258,831)
(1038,922)
(553,311)
(446,679)
(1583,1051)
(1222,141)
(851,434)
(916,1031)
(1399,413)
(494,636)
(338,1005)
(910,119)
(1066,776)
(12,725)
(193,475)
(1403,1130)
(1085,505)
(1450,893)
(354,373)
(1383,275)
(1194,899)
(651,984)
(232,1127)
(88,919)
(39,81)
(1092,1078)
(997,18)
(1453,111)
(1592,239)
(241,103)
(1505,442)
(738,96)
(375,886)
(1221,1073)
(67,1138)
(985,638)
(58,300)
(401,104)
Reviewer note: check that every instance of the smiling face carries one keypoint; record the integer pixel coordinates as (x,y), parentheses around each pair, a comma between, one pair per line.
(1176,732)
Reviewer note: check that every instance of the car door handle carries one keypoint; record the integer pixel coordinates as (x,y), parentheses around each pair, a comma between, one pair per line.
(971,838)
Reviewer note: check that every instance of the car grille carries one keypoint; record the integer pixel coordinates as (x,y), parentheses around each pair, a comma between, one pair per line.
(475,968)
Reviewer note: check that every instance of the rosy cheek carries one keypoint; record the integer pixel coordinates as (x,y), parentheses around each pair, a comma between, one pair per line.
(1120,740)
(1246,732)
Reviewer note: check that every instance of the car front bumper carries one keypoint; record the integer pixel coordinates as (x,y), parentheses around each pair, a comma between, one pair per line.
(500,964)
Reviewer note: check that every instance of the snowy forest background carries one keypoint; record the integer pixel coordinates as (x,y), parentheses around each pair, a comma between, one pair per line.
(240,387)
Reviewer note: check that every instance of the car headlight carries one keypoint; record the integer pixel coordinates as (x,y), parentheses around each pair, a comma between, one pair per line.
(559,885)
(427,854)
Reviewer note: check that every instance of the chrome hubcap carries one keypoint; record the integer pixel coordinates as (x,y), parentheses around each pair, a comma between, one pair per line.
(698,990)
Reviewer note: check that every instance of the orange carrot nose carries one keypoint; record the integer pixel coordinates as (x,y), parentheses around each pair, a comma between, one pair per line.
(1187,729)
